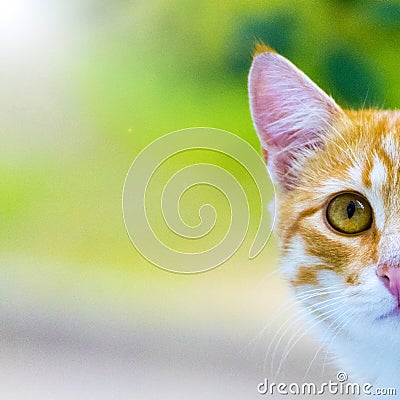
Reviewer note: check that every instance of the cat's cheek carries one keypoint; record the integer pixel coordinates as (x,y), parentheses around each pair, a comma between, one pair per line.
(304,271)
(295,256)
(372,297)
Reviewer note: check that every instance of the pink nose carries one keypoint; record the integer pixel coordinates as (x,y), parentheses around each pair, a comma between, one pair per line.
(390,276)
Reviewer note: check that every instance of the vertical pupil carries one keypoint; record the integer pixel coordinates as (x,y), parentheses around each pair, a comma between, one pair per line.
(351,209)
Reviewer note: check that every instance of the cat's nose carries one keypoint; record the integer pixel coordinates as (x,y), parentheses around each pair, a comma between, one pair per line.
(390,276)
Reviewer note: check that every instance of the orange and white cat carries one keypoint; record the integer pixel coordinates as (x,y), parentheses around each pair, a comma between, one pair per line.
(338,179)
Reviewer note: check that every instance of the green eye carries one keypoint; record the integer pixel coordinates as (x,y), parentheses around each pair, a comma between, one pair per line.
(349,213)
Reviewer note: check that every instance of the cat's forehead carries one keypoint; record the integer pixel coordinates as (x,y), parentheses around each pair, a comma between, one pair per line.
(379,129)
(371,141)
(363,149)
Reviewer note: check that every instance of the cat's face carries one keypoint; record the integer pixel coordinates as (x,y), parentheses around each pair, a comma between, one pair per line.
(338,178)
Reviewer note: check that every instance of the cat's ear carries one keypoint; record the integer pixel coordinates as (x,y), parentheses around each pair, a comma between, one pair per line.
(290,113)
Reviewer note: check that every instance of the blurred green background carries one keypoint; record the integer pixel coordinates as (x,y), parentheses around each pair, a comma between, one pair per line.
(85,86)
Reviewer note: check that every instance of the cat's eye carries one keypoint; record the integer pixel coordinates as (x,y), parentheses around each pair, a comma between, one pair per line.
(349,213)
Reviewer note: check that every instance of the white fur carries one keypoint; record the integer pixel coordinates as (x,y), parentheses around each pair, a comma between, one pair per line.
(390,146)
(368,348)
(378,174)
(378,177)
(365,344)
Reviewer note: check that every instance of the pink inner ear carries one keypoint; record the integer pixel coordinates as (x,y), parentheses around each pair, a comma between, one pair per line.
(290,112)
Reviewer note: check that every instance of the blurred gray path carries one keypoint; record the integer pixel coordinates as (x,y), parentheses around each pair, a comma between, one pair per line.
(68,351)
